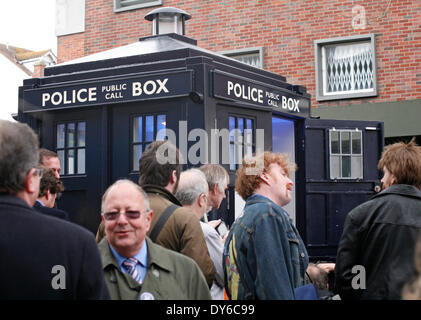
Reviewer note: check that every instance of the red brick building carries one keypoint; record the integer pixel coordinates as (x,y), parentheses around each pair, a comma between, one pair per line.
(358,59)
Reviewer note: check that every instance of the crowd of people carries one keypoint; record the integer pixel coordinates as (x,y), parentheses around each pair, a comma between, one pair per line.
(154,241)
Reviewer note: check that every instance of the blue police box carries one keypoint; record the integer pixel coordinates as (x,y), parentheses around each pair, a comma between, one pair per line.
(101,111)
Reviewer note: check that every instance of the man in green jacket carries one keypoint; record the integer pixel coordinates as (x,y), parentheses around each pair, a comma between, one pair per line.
(134,266)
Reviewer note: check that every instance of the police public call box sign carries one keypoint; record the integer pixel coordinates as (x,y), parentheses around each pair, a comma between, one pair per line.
(108,91)
(236,88)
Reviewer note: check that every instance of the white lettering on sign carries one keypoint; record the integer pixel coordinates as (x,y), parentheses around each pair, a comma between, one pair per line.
(149,87)
(69,96)
(246,93)
(290,104)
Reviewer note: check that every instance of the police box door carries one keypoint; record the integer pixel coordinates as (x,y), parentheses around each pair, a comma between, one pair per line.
(133,127)
(341,172)
(76,137)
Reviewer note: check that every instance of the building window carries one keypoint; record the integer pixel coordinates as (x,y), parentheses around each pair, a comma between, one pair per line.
(251,56)
(241,140)
(345,68)
(146,129)
(71,147)
(123,5)
(346,158)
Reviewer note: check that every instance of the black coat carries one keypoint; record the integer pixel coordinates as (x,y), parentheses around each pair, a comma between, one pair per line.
(36,251)
(379,235)
(54,212)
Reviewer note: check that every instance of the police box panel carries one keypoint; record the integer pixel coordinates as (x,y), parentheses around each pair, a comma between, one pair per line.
(76,137)
(133,126)
(341,173)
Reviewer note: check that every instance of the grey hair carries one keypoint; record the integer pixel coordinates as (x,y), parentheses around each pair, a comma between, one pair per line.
(122,181)
(216,174)
(192,184)
(18,154)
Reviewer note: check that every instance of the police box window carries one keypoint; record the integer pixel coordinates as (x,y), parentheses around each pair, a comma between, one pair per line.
(146,129)
(346,159)
(241,140)
(71,147)
(345,68)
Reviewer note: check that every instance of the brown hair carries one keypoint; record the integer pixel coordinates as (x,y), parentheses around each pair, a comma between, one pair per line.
(404,162)
(246,184)
(45,153)
(155,173)
(49,182)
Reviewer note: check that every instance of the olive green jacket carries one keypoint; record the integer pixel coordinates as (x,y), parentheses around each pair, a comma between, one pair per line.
(170,276)
(182,231)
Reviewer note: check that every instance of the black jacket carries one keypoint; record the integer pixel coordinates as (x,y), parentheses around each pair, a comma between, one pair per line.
(51,211)
(379,235)
(36,251)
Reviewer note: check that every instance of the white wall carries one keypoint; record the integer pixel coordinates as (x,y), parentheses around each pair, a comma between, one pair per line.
(12,77)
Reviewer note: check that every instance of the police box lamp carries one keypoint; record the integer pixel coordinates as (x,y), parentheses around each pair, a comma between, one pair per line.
(168,20)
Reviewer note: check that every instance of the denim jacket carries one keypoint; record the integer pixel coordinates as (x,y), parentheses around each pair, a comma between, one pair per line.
(264,255)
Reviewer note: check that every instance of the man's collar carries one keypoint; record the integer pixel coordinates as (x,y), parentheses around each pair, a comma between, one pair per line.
(141,256)
(402,189)
(40,202)
(151,189)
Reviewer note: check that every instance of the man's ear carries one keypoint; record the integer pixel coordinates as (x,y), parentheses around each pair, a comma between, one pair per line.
(31,182)
(48,195)
(215,188)
(264,176)
(173,178)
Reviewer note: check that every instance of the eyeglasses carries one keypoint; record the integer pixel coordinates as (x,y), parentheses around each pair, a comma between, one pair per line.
(111,216)
(39,172)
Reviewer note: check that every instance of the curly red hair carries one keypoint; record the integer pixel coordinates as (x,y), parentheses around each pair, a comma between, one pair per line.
(247,183)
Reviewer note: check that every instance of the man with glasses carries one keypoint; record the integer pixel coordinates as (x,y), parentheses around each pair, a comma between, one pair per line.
(193,192)
(135,267)
(41,257)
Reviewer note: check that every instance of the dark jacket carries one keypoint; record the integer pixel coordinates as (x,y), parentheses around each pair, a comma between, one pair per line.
(170,276)
(181,232)
(379,236)
(37,251)
(61,214)
(264,255)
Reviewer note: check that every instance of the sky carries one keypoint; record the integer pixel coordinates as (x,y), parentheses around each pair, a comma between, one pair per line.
(28,24)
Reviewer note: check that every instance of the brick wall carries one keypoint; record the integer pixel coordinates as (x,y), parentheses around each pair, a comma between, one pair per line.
(286,30)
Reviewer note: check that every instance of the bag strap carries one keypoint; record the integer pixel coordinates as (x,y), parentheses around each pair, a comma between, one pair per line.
(161,221)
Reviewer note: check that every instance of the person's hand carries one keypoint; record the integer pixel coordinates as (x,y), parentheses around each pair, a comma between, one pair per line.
(328,267)
(214,223)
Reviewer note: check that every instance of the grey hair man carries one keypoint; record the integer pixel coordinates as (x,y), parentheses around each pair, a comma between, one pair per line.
(136,268)
(218,180)
(45,257)
(192,192)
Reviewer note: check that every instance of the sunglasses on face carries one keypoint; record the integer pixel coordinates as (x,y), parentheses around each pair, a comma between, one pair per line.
(111,216)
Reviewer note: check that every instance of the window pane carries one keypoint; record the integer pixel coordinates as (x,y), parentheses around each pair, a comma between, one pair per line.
(248,136)
(71,162)
(81,161)
(161,123)
(356,167)
(356,143)
(231,127)
(334,166)
(346,142)
(81,134)
(137,129)
(60,154)
(137,152)
(70,134)
(334,141)
(60,136)
(349,67)
(241,124)
(346,166)
(149,128)
(249,124)
(232,157)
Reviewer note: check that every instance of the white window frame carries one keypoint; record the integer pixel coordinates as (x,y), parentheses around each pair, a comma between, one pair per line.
(320,64)
(247,51)
(125,5)
(342,154)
